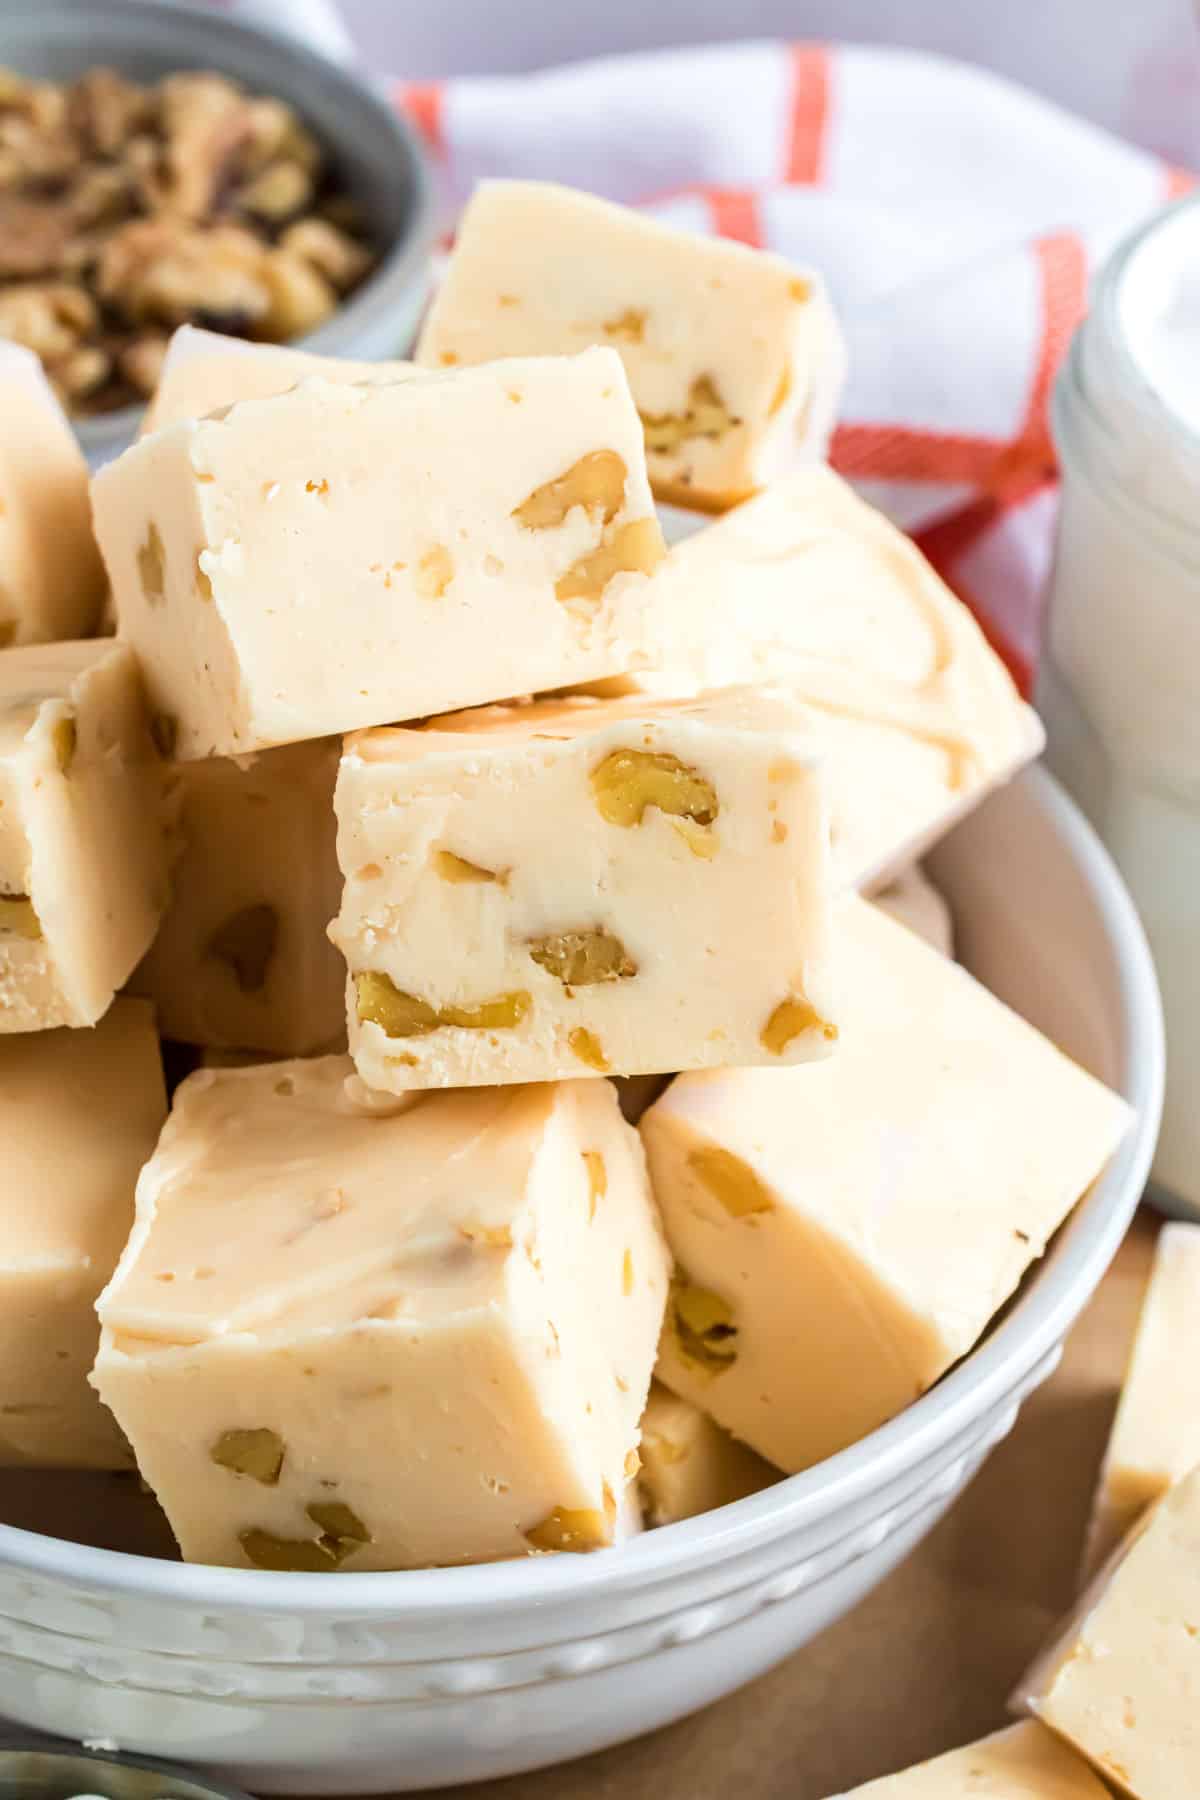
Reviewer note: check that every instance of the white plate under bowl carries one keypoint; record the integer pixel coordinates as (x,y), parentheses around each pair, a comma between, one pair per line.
(369,1683)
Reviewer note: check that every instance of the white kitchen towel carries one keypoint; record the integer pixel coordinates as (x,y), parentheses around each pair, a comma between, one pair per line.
(957,219)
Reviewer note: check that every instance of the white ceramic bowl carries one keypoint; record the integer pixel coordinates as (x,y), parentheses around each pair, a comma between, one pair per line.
(370,1683)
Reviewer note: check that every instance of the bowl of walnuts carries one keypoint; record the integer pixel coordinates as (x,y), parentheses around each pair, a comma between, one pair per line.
(161,166)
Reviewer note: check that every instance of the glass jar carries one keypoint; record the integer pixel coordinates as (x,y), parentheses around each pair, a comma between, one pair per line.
(1119,685)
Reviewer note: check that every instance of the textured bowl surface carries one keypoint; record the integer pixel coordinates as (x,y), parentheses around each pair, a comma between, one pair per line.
(373,148)
(372,1683)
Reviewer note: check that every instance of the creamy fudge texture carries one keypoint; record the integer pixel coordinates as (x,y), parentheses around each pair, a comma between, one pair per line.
(242,959)
(51,577)
(689,1465)
(913,900)
(1156,1434)
(576,887)
(1026,1762)
(1122,1680)
(733,355)
(843,1233)
(810,588)
(389,1337)
(84,843)
(79,1114)
(347,555)
(204,370)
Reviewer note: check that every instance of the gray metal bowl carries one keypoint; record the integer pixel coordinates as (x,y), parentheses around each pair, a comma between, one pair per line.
(42,1772)
(376,152)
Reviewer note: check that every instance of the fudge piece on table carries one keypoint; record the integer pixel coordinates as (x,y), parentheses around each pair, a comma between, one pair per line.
(205,370)
(1156,1434)
(51,576)
(1026,1762)
(1121,1681)
(79,1114)
(809,588)
(242,959)
(84,838)
(582,886)
(843,1233)
(385,1338)
(689,1465)
(734,355)
(340,556)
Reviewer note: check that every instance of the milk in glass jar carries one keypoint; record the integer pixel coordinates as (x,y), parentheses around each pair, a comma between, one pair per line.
(1120,679)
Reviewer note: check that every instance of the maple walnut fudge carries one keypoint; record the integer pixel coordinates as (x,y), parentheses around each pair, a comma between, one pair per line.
(844,1233)
(345,555)
(1026,1762)
(385,1338)
(84,848)
(242,959)
(204,370)
(1121,1680)
(689,1465)
(733,355)
(1156,1434)
(576,887)
(912,900)
(51,577)
(808,587)
(79,1114)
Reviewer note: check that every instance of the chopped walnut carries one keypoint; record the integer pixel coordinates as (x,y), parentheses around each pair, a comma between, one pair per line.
(151,207)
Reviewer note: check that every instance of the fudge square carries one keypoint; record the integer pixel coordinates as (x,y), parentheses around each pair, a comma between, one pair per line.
(382,1338)
(582,886)
(242,959)
(347,555)
(1156,1434)
(1121,1681)
(84,840)
(733,355)
(1026,1762)
(808,587)
(843,1233)
(689,1465)
(204,370)
(51,577)
(80,1112)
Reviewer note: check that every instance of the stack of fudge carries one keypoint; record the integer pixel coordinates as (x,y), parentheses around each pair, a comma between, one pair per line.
(504,871)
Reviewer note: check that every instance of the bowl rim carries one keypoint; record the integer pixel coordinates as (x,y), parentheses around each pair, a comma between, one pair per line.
(402,261)
(984,1378)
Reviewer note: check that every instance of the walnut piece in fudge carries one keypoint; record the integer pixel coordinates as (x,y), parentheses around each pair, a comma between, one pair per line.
(242,959)
(575,887)
(51,577)
(80,1112)
(843,1233)
(84,840)
(340,556)
(809,588)
(385,1338)
(733,355)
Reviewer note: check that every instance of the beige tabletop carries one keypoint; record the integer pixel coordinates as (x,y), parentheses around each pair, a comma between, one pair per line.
(927,1660)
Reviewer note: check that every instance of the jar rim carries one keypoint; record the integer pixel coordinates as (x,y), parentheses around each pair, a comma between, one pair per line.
(1106,312)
